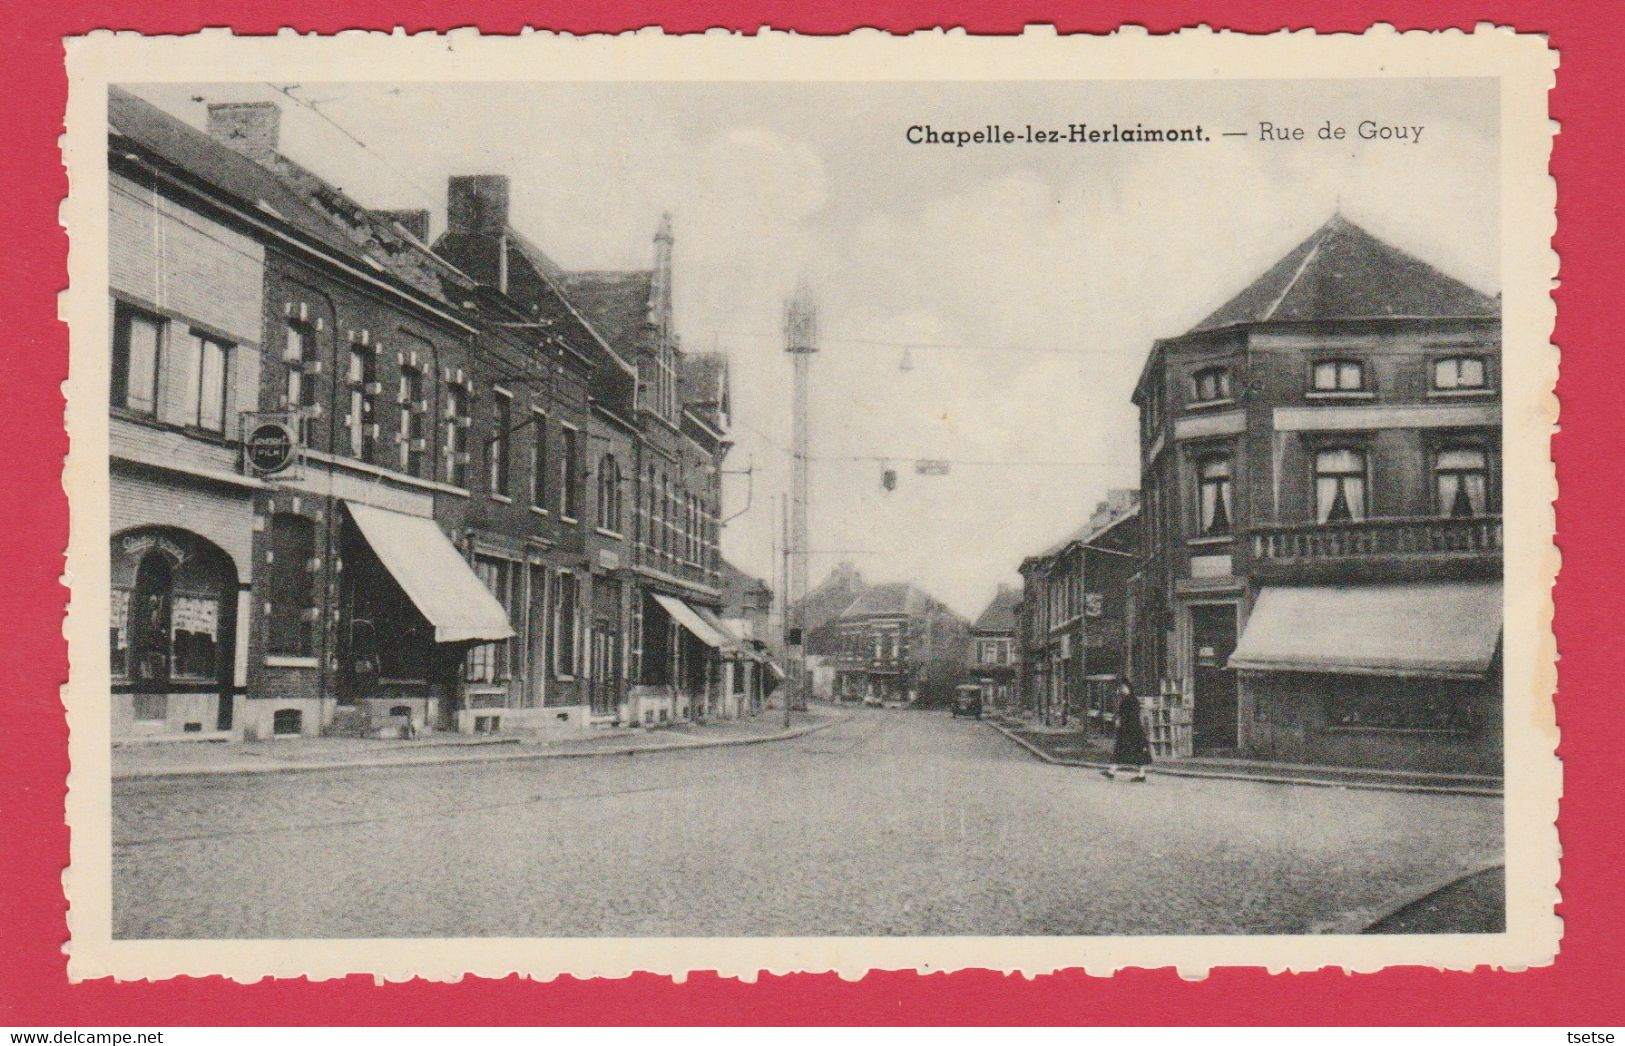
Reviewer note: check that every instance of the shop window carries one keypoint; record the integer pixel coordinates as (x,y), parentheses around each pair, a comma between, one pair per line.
(1461,478)
(457,423)
(137,347)
(1338,376)
(291,585)
(288,722)
(1374,703)
(609,494)
(413,444)
(1215,498)
(203,401)
(497,466)
(1340,485)
(195,628)
(492,662)
(1459,373)
(570,494)
(363,417)
(1211,384)
(168,615)
(118,633)
(388,637)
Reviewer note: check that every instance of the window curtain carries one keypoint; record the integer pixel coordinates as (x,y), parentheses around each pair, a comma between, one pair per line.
(1463,483)
(1217,510)
(1339,486)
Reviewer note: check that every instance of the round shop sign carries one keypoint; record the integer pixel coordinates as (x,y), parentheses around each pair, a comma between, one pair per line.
(270,446)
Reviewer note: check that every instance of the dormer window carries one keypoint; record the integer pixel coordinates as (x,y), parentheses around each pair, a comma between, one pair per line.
(1211,385)
(1336,376)
(1459,374)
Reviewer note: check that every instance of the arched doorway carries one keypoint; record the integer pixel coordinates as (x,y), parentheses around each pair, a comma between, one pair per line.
(172,632)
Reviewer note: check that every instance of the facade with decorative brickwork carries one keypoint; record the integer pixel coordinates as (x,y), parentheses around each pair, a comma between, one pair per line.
(460,538)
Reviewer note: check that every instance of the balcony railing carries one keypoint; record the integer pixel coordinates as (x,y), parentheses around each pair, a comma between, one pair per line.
(1474,535)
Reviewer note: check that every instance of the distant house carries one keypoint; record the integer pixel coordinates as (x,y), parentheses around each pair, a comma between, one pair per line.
(747,598)
(991,655)
(897,644)
(1073,614)
(747,611)
(1322,506)
(825,603)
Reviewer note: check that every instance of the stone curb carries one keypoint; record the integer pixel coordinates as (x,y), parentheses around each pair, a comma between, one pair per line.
(1222,775)
(1362,919)
(498,757)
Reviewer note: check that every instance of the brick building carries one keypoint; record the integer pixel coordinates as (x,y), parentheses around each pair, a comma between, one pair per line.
(1321,501)
(186,274)
(992,657)
(1074,607)
(488,487)
(897,645)
(649,453)
(358,609)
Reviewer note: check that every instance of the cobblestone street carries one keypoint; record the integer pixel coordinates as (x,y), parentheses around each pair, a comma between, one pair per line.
(898,822)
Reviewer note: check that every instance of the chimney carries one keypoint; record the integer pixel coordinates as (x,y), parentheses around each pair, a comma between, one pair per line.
(477,204)
(250,128)
(414,221)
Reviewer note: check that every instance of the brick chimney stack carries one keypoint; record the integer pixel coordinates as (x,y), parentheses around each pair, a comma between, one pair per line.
(477,204)
(251,128)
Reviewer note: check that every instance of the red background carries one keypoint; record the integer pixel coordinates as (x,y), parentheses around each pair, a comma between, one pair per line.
(1582,987)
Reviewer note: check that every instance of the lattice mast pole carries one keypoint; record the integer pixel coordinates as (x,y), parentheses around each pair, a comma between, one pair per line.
(800,341)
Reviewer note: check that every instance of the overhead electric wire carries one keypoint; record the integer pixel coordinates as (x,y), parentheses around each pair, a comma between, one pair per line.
(314,107)
(1385,350)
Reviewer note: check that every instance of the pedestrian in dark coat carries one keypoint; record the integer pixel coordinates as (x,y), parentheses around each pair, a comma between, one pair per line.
(1131,748)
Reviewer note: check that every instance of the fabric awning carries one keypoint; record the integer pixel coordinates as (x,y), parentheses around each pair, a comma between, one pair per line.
(434,577)
(732,643)
(684,615)
(1444,630)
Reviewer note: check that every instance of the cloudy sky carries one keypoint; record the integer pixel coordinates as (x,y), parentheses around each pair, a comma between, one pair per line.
(1025,283)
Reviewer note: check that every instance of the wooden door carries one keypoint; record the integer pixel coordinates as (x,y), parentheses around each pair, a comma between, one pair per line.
(1213,640)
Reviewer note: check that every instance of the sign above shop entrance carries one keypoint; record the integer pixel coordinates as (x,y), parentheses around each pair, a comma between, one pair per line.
(270,443)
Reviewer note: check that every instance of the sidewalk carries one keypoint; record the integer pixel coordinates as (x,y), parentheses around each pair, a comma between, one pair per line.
(186,759)
(1073,748)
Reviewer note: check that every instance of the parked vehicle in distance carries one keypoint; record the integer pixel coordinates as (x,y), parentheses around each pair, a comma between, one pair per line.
(872,700)
(968,701)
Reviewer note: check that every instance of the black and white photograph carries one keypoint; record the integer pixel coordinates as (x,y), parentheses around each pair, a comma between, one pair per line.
(660,507)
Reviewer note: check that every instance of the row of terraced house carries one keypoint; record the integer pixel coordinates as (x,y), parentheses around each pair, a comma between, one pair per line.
(362,481)
(1310,570)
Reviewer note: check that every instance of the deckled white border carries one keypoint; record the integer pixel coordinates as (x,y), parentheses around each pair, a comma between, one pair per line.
(1523,64)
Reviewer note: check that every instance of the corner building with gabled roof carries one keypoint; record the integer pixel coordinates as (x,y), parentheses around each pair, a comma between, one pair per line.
(1321,504)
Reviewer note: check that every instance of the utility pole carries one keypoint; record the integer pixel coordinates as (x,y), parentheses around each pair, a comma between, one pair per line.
(800,341)
(784,617)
